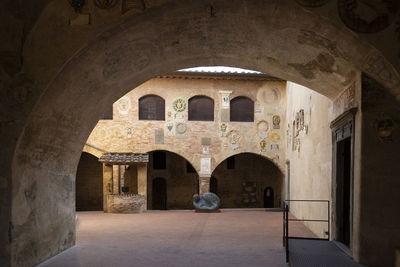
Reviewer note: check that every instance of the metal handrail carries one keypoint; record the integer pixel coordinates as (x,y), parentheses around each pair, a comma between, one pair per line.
(286,221)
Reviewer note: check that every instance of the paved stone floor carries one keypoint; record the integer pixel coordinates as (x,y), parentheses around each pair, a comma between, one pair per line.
(177,238)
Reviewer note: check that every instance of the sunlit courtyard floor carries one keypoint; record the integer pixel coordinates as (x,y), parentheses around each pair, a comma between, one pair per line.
(177,238)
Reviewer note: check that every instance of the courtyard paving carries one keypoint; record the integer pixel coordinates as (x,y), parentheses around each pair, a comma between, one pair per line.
(177,238)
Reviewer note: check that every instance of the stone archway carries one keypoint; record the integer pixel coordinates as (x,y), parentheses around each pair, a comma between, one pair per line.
(242,184)
(278,39)
(176,181)
(89,183)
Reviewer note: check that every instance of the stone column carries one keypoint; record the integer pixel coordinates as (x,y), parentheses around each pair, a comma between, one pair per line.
(142,181)
(204,184)
(122,174)
(107,183)
(116,186)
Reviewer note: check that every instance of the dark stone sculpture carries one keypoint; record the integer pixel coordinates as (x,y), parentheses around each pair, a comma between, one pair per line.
(207,202)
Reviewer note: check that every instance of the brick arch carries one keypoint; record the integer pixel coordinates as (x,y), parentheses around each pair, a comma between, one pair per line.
(93,150)
(276,163)
(185,156)
(151,94)
(268,36)
(243,96)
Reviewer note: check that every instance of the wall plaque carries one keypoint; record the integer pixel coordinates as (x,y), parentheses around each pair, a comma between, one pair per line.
(276,120)
(225,99)
(206,141)
(225,115)
(159,136)
(124,104)
(180,130)
(205,165)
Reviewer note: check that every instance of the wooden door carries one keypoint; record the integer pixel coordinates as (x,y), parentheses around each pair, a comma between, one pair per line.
(159,194)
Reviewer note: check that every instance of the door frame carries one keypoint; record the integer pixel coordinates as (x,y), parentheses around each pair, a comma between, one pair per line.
(342,128)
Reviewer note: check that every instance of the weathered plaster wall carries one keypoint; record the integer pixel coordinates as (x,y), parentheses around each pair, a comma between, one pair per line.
(309,150)
(249,168)
(89,184)
(380,184)
(125,133)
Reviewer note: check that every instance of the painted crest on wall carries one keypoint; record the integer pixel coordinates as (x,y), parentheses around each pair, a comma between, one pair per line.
(124,105)
(234,138)
(269,95)
(129,132)
(223,128)
(385,130)
(179,104)
(169,127)
(180,128)
(276,120)
(274,146)
(105,4)
(263,145)
(275,137)
(262,128)
(225,98)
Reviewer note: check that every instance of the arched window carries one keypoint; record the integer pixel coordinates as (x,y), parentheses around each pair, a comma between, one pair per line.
(242,109)
(151,107)
(201,108)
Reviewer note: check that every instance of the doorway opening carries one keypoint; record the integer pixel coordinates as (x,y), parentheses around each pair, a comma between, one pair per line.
(89,184)
(342,177)
(343,172)
(159,193)
(268,197)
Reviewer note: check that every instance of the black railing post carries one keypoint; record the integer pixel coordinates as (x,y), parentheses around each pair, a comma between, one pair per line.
(287,232)
(284,223)
(329,221)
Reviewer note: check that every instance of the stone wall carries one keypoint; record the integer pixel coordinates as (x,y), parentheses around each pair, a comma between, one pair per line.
(309,154)
(89,184)
(125,133)
(125,203)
